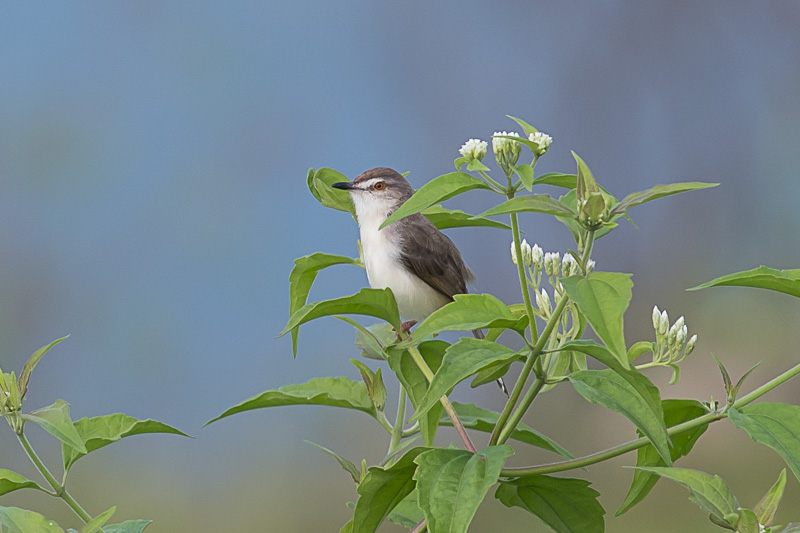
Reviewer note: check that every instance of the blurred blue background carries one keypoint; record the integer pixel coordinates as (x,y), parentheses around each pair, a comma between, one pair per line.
(153,159)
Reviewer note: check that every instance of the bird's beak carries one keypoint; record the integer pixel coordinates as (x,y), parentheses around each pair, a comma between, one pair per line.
(344,185)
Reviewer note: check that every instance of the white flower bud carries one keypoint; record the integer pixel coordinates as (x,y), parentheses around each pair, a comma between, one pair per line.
(506,151)
(656,317)
(680,338)
(679,323)
(543,302)
(663,323)
(513,253)
(474,149)
(673,332)
(691,344)
(590,265)
(537,257)
(552,261)
(526,253)
(543,140)
(569,265)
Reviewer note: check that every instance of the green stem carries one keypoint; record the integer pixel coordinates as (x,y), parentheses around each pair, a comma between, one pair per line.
(397,433)
(523,377)
(523,280)
(419,528)
(497,186)
(384,422)
(537,385)
(621,449)
(448,407)
(61,492)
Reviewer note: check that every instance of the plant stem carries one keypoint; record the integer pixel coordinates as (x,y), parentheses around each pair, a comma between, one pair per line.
(638,443)
(397,432)
(419,528)
(526,371)
(448,407)
(523,280)
(485,176)
(61,492)
(537,385)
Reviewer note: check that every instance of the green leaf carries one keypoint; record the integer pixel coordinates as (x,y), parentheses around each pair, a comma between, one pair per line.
(747,523)
(407,513)
(525,173)
(557,179)
(785,281)
(709,492)
(586,183)
(101,431)
(374,339)
(468,312)
(566,505)
(302,277)
(451,484)
(461,360)
(768,506)
(776,425)
(95,524)
(16,520)
(609,389)
(444,218)
(379,303)
(320,186)
(603,298)
(659,191)
(414,382)
(382,490)
(675,412)
(128,526)
(30,364)
(474,417)
(55,420)
(346,465)
(333,392)
(575,228)
(527,128)
(435,191)
(347,528)
(638,349)
(532,203)
(11,481)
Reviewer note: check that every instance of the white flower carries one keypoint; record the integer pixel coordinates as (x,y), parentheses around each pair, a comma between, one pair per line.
(552,260)
(568,265)
(506,151)
(537,257)
(543,302)
(474,149)
(513,253)
(590,265)
(526,253)
(681,337)
(663,323)
(542,140)
(691,344)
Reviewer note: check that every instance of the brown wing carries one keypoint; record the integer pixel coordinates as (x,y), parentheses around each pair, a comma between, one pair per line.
(432,256)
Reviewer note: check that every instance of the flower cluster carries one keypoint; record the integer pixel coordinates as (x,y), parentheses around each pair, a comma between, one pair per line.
(474,149)
(673,343)
(542,140)
(506,151)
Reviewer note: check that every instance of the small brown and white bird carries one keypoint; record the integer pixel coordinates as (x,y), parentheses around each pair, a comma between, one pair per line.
(412,257)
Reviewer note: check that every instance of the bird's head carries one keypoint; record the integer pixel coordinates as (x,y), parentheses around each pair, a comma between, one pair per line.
(378,190)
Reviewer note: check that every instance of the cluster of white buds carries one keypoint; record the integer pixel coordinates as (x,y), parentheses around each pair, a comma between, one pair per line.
(474,149)
(527,253)
(543,303)
(671,340)
(569,265)
(552,263)
(542,140)
(505,150)
(537,258)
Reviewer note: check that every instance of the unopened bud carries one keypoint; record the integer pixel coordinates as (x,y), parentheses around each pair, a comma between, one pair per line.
(551,263)
(537,257)
(673,332)
(568,265)
(590,265)
(505,150)
(513,253)
(542,140)
(691,344)
(656,317)
(663,323)
(526,253)
(680,338)
(543,301)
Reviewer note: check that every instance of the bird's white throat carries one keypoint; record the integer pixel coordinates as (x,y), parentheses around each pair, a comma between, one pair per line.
(382,259)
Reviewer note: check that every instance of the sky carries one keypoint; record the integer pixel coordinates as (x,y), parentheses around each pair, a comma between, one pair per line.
(153,162)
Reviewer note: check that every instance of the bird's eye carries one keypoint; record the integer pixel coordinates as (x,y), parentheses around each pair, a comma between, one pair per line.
(378,186)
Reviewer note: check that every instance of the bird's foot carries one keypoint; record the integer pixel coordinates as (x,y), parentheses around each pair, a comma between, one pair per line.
(405,328)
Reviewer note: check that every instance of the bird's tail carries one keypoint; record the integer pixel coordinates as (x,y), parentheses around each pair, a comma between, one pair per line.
(479,335)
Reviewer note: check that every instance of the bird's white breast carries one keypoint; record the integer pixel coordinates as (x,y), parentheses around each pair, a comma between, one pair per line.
(415,298)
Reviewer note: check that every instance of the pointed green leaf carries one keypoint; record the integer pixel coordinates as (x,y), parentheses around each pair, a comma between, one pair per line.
(785,281)
(374,339)
(95,524)
(382,490)
(379,303)
(11,481)
(609,389)
(407,513)
(320,186)
(436,191)
(30,364)
(55,420)
(575,228)
(768,506)
(468,312)
(709,492)
(557,179)
(638,349)
(586,183)
(474,417)
(333,392)
(747,523)
(532,203)
(675,412)
(16,520)
(527,128)
(461,360)
(101,431)
(128,526)
(566,505)
(346,464)
(414,382)
(525,173)
(451,484)
(302,277)
(659,191)
(444,218)
(776,425)
(603,297)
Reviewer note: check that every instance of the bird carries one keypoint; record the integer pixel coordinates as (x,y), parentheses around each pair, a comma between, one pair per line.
(420,264)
